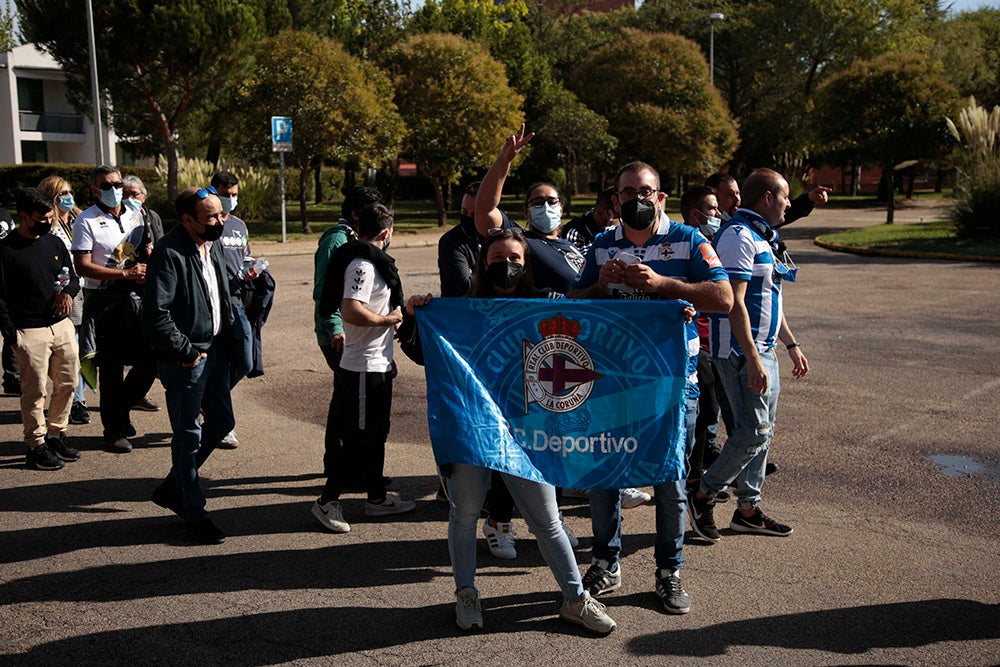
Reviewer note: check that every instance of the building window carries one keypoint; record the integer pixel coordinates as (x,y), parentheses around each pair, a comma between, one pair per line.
(34,151)
(30,96)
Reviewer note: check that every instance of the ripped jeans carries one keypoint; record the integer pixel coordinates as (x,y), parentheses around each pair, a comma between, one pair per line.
(744,455)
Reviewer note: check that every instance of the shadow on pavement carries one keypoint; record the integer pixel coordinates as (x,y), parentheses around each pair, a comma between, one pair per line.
(851,630)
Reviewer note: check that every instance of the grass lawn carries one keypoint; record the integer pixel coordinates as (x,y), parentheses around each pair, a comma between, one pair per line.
(927,237)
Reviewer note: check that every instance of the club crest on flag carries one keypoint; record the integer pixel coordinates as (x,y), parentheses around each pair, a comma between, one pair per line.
(558,372)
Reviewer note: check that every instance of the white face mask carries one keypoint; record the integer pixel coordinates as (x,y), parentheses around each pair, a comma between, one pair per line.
(711,225)
(134,204)
(228,204)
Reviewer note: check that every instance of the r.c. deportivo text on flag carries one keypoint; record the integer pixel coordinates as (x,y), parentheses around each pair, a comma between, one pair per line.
(577,394)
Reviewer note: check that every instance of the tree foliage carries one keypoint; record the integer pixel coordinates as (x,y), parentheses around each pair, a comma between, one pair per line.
(457,105)
(663,111)
(885,111)
(341,107)
(155,61)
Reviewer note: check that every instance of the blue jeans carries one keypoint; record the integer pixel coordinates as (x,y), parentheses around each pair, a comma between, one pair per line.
(671,513)
(189,392)
(467,486)
(744,455)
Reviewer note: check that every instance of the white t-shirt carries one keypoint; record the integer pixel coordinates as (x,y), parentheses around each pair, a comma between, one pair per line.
(367,349)
(98,233)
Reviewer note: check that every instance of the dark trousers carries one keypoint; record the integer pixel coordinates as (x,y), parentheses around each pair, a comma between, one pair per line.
(120,391)
(362,405)
(11,374)
(706,431)
(191,392)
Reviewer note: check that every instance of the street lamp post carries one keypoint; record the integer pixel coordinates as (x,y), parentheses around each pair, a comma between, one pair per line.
(712,18)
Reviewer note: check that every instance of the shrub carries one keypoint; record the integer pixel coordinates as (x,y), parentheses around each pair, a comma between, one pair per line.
(14,176)
(258,187)
(976,213)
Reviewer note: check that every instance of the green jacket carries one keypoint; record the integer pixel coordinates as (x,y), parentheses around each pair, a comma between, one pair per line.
(334,237)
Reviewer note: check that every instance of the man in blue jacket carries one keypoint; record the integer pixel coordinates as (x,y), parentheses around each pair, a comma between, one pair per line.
(187,317)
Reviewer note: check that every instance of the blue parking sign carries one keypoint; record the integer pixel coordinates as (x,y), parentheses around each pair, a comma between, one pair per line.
(281,134)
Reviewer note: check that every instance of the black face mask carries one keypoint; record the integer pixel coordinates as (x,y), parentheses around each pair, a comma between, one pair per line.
(467,221)
(41,228)
(504,275)
(210,232)
(638,213)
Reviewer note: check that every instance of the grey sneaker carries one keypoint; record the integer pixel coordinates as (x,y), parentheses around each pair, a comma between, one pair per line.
(331,516)
(598,580)
(468,610)
(675,599)
(589,613)
(392,504)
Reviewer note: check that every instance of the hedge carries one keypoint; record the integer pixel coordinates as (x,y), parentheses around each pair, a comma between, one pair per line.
(14,176)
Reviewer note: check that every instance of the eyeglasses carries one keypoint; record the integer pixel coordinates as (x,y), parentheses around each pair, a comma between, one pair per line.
(107,185)
(65,192)
(644,192)
(539,201)
(204,192)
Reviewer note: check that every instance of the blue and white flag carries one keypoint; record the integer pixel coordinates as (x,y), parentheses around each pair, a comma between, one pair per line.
(578,394)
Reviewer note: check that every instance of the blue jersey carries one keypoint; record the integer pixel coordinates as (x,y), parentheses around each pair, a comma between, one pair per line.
(747,255)
(676,251)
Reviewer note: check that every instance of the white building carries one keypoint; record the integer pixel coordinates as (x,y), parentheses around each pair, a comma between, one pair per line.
(37,121)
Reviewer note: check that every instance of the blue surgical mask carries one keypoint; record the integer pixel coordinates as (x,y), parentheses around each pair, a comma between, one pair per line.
(545,218)
(711,226)
(785,268)
(134,204)
(66,203)
(228,204)
(111,198)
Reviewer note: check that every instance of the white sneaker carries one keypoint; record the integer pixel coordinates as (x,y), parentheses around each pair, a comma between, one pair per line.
(468,611)
(576,493)
(500,539)
(573,542)
(331,516)
(589,613)
(633,498)
(229,441)
(392,504)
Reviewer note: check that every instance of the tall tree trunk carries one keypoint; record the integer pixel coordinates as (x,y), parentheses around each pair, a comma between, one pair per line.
(318,180)
(303,212)
(171,150)
(439,199)
(888,177)
(214,150)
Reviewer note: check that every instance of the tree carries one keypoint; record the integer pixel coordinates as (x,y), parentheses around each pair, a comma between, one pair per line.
(663,112)
(975,67)
(156,61)
(579,136)
(885,111)
(457,106)
(7,41)
(341,107)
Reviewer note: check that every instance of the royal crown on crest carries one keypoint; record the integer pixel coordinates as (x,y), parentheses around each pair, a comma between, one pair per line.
(559,326)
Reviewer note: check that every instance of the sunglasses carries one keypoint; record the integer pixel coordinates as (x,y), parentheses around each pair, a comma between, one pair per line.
(204,192)
(107,185)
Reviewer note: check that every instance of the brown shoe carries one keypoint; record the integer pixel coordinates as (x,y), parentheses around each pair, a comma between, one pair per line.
(145,405)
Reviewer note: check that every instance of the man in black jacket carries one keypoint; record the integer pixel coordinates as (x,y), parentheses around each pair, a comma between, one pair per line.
(187,318)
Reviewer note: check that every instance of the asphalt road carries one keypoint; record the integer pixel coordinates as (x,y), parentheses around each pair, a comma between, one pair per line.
(892,561)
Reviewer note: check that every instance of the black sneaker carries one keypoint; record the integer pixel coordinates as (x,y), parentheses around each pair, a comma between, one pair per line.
(675,599)
(771,468)
(13,388)
(759,523)
(598,580)
(79,414)
(204,531)
(722,497)
(700,512)
(40,458)
(59,446)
